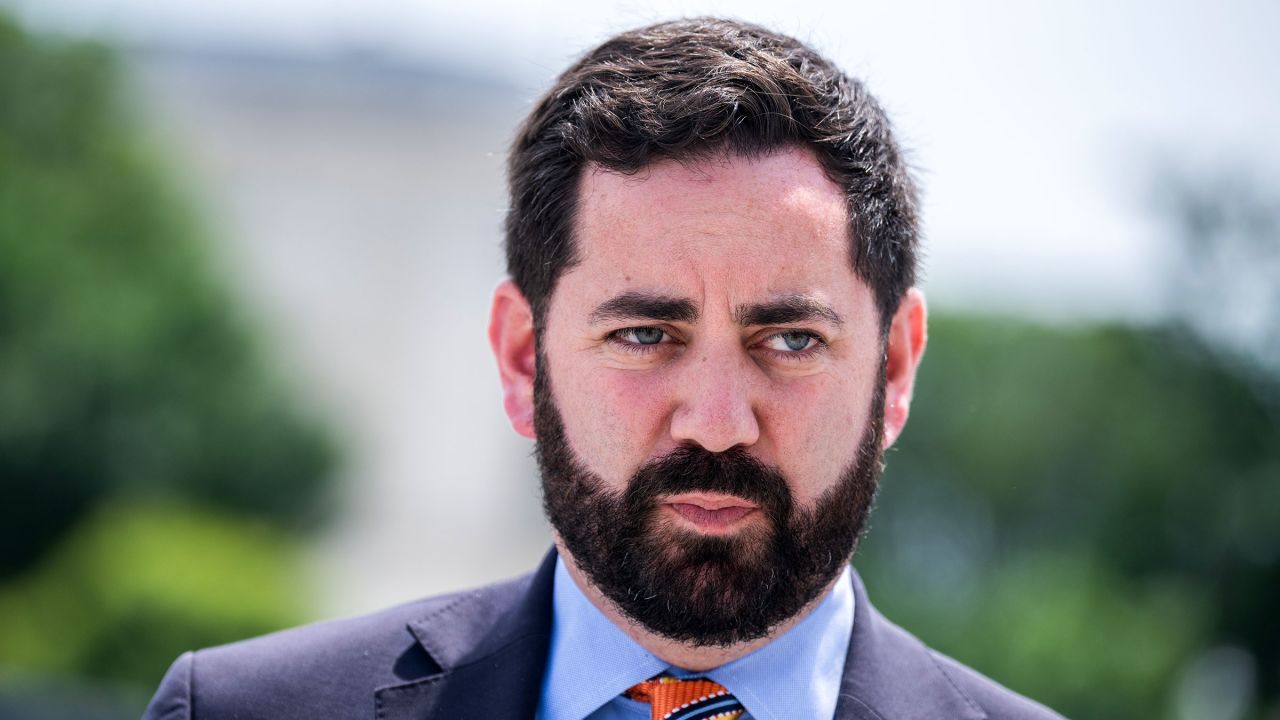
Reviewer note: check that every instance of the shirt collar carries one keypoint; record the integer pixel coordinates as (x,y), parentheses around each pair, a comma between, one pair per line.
(798,675)
(592,661)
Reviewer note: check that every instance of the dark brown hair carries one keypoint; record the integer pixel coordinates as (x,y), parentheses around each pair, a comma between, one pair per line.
(687,89)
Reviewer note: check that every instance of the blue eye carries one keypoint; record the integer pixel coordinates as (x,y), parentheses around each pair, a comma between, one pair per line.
(643,335)
(796,341)
(792,341)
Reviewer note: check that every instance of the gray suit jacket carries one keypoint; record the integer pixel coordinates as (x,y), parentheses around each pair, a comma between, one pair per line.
(481,655)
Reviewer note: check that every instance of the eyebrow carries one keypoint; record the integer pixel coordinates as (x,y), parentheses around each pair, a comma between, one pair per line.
(645,306)
(786,310)
(652,306)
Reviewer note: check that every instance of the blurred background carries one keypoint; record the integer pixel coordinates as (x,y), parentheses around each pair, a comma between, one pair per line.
(246,251)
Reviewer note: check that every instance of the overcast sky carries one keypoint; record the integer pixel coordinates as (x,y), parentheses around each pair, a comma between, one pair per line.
(1035,127)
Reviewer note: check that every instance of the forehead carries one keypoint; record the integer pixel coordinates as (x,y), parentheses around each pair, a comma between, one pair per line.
(749,227)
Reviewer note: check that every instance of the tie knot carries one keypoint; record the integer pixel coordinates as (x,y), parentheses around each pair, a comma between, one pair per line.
(693,699)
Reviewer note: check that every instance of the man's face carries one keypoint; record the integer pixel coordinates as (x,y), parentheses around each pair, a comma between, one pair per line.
(709,393)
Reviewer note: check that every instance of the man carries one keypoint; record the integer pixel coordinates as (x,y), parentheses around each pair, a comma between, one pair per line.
(711,331)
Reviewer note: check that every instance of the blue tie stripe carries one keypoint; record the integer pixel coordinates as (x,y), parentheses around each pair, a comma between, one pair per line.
(707,709)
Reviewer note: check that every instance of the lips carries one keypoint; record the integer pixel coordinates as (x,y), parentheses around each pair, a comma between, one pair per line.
(711,513)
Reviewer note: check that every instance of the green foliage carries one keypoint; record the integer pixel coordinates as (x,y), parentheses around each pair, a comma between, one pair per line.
(123,370)
(135,586)
(1079,512)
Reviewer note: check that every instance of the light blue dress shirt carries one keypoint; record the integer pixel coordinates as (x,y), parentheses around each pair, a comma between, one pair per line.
(592,662)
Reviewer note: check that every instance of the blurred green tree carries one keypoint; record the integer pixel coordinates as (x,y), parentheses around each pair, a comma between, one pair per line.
(135,585)
(1083,512)
(124,369)
(1222,285)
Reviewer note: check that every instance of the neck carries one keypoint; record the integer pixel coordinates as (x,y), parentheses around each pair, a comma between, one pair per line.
(696,658)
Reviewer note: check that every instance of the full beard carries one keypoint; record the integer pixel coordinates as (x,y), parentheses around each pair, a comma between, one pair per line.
(700,589)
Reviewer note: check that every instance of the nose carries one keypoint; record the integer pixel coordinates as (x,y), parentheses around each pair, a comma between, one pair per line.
(716,406)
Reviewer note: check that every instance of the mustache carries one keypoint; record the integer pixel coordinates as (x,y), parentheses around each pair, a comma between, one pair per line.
(690,468)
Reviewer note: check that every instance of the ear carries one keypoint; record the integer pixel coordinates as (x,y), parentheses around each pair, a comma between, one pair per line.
(907,337)
(512,340)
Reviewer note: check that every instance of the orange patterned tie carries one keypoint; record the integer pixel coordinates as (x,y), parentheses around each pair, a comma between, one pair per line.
(695,699)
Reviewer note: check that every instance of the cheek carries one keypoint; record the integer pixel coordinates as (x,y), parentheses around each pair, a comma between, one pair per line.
(613,419)
(815,428)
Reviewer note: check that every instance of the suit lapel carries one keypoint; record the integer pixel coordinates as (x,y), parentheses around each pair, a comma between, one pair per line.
(890,675)
(491,646)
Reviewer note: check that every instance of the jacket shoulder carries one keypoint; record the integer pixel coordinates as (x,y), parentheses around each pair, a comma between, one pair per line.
(997,701)
(326,669)
(890,673)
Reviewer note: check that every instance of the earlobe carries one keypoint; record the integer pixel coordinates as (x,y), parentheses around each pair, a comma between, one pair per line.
(908,336)
(512,339)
